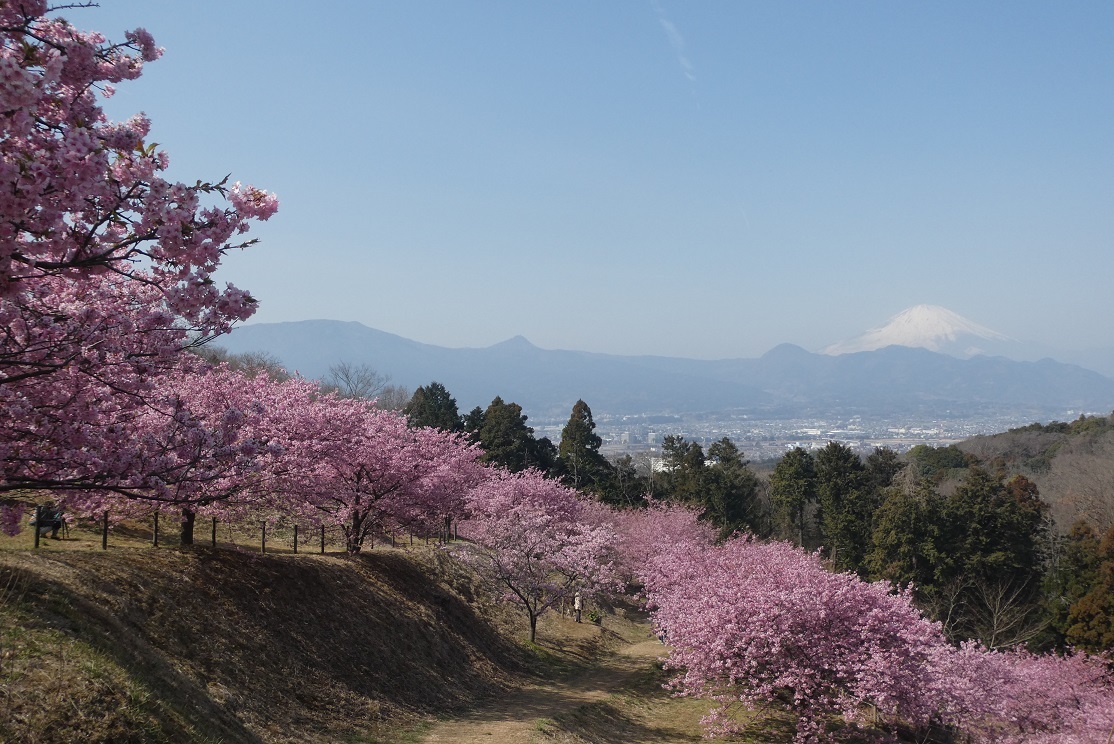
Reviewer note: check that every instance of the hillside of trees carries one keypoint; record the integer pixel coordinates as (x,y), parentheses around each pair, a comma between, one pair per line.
(1071,463)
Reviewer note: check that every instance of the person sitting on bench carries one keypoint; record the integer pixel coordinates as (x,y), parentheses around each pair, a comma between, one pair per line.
(49,519)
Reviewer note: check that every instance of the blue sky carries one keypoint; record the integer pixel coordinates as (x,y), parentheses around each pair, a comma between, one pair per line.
(703,179)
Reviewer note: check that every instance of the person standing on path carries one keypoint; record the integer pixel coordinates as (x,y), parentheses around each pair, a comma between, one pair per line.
(576,605)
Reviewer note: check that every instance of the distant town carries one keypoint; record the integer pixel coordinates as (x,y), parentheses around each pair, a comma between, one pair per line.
(763,438)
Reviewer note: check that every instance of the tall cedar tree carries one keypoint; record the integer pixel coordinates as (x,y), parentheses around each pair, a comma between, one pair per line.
(731,500)
(905,546)
(720,483)
(1091,617)
(584,468)
(628,486)
(792,489)
(1075,574)
(432,406)
(975,558)
(683,470)
(847,505)
(507,440)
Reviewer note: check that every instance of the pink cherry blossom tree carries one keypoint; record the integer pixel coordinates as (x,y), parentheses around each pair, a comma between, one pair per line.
(106,274)
(534,540)
(82,195)
(212,442)
(1016,697)
(79,366)
(204,438)
(644,536)
(366,471)
(755,623)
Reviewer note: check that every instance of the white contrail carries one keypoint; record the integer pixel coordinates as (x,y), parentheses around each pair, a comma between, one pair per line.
(675,40)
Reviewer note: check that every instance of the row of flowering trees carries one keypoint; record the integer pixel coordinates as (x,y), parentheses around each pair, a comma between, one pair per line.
(216,443)
(753,623)
(106,284)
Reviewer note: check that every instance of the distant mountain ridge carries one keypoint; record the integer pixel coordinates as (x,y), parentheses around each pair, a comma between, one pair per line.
(785,380)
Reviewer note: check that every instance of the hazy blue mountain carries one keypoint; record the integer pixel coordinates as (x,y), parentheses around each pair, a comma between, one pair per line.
(893,380)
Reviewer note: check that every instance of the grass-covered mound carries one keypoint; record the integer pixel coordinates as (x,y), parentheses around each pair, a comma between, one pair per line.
(137,644)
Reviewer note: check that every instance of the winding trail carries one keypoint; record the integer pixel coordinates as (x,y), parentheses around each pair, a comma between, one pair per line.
(582,699)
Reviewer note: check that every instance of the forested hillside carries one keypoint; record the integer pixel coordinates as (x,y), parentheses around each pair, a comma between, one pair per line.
(1072,465)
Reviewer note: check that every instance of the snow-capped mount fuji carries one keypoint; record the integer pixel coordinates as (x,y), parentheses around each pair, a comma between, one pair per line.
(934,328)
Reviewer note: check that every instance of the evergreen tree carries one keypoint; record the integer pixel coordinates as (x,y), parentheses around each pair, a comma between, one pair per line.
(1091,617)
(509,442)
(992,547)
(684,472)
(626,487)
(583,466)
(995,532)
(905,545)
(731,495)
(881,466)
(432,406)
(472,422)
(1074,575)
(847,505)
(792,489)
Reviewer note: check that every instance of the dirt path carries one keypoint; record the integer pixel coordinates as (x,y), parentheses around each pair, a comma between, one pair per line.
(583,707)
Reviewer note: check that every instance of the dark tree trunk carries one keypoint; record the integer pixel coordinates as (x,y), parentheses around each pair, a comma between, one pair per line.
(188,519)
(354,534)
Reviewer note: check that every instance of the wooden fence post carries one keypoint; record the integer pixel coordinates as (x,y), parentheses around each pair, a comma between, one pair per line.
(214,537)
(38,524)
(155,538)
(295,539)
(263,542)
(104,531)
(322,539)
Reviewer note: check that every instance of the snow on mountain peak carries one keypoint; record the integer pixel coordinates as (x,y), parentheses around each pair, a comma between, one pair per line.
(924,326)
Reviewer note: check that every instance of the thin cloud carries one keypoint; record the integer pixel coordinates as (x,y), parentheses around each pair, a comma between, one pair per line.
(675,40)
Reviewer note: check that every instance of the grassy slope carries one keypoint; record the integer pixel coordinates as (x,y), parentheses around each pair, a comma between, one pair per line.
(137,644)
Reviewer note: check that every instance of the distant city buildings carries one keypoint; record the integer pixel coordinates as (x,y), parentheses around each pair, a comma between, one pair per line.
(769,439)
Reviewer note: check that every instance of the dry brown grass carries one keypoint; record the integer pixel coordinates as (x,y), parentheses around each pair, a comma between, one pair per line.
(202,644)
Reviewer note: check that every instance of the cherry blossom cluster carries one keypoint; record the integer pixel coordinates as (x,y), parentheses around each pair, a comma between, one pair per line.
(106,267)
(752,623)
(643,536)
(78,366)
(82,195)
(537,541)
(221,444)
(366,471)
(11,519)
